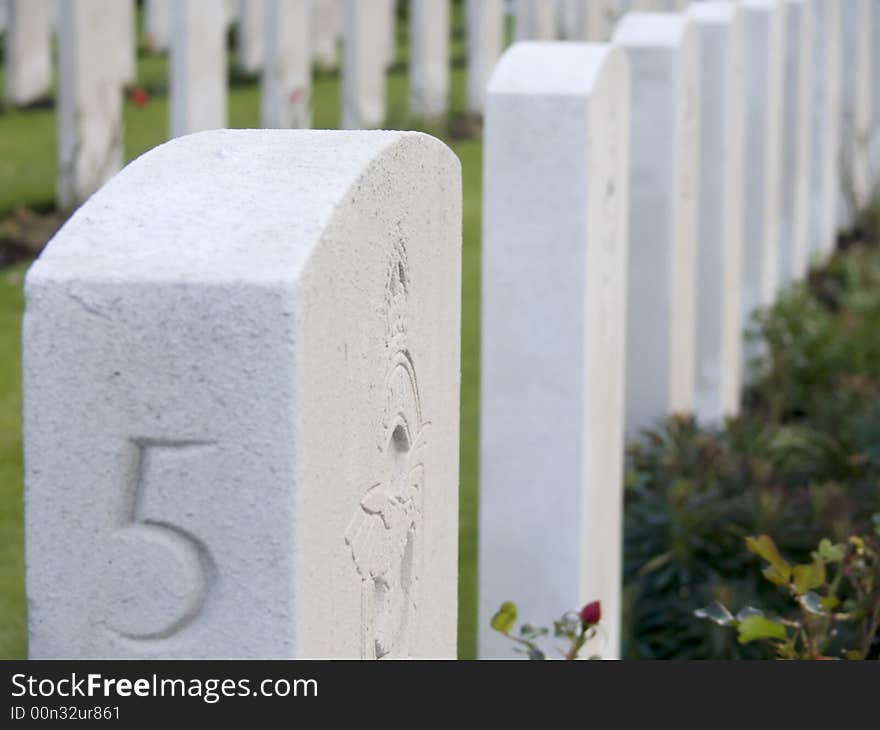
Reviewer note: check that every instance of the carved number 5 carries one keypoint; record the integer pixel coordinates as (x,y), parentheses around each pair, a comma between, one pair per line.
(157,574)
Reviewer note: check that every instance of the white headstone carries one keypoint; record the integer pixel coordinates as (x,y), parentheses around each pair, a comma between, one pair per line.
(485,42)
(233,8)
(875,95)
(578,20)
(327,19)
(765,48)
(250,36)
(363,67)
(241,377)
(89,101)
(794,252)
(601,17)
(389,31)
(158,21)
(570,20)
(554,298)
(3,16)
(429,58)
(535,20)
(287,72)
(825,127)
(27,60)
(722,189)
(198,69)
(126,38)
(664,53)
(856,107)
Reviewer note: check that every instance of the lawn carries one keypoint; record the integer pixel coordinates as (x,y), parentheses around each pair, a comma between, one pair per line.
(27,175)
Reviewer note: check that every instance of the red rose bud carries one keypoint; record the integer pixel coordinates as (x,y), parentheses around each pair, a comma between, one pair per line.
(591,614)
(140,97)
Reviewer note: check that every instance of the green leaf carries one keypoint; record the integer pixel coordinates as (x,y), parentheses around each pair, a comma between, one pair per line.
(536,654)
(747,611)
(764,547)
(812,603)
(786,650)
(808,576)
(505,618)
(716,612)
(828,552)
(829,603)
(774,576)
(753,628)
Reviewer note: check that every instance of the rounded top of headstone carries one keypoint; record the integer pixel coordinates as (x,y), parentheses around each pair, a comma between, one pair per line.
(536,67)
(225,205)
(651,30)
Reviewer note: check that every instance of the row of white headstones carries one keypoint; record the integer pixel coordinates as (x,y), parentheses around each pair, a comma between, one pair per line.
(281,39)
(242,354)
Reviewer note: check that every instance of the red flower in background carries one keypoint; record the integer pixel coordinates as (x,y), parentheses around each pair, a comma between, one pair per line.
(140,97)
(297,95)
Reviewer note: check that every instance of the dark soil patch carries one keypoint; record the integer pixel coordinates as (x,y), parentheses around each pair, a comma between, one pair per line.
(25,232)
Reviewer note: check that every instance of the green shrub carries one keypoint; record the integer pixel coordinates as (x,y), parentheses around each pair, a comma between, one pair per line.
(835,597)
(800,463)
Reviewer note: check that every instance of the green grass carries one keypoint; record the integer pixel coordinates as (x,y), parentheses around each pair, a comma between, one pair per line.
(27,178)
(13,641)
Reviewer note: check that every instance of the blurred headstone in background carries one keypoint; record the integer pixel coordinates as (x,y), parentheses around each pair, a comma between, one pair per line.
(157,23)
(429,24)
(485,43)
(326,34)
(363,65)
(125,38)
(535,20)
(27,59)
(824,109)
(250,36)
(198,69)
(89,100)
(663,50)
(721,184)
(389,31)
(765,37)
(856,107)
(794,179)
(287,71)
(875,93)
(600,18)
